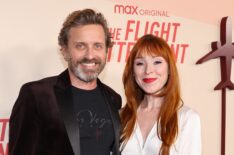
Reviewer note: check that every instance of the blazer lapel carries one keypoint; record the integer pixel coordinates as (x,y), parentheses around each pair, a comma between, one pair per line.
(65,102)
(116,125)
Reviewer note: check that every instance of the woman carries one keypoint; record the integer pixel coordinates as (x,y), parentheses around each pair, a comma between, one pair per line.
(154,120)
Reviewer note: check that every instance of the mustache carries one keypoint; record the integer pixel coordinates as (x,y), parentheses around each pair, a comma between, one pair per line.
(94,60)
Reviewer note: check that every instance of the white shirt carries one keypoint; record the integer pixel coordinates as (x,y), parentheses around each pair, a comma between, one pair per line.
(188,141)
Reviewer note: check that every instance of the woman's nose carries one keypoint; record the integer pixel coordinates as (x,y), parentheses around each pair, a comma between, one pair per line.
(148,69)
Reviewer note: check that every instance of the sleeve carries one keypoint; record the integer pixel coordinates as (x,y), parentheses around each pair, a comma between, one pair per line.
(23,125)
(190,136)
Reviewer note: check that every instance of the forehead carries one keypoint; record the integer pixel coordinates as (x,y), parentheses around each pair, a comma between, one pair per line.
(149,58)
(148,53)
(87,33)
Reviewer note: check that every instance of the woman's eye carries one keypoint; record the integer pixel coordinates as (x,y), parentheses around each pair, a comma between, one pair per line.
(139,63)
(157,62)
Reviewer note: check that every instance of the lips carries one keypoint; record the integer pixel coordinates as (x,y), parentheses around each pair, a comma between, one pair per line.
(88,64)
(149,80)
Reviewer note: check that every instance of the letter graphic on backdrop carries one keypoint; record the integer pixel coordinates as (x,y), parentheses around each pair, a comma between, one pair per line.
(3,136)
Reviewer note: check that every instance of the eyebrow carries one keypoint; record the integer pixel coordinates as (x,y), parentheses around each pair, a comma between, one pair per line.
(83,42)
(140,57)
(79,42)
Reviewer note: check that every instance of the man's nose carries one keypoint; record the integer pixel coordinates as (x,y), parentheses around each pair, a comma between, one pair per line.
(89,53)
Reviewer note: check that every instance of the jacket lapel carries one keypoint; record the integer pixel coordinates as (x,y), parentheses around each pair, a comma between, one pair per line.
(65,102)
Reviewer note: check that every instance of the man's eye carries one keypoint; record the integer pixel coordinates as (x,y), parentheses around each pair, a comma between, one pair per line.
(98,46)
(80,46)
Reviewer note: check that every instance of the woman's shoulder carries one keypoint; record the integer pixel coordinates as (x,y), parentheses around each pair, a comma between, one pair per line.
(189,115)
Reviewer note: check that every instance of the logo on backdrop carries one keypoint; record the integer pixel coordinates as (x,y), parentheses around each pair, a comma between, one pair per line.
(135,10)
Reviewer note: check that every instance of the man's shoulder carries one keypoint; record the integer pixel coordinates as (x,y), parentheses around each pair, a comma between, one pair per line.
(109,89)
(44,81)
(112,94)
(43,84)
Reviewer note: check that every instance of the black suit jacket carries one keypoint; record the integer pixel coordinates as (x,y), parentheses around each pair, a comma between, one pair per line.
(42,121)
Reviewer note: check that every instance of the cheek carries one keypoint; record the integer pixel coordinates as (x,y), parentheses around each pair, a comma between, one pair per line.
(103,55)
(165,77)
(77,55)
(66,55)
(138,71)
(138,81)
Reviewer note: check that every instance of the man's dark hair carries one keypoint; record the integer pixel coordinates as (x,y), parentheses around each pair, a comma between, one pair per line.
(81,18)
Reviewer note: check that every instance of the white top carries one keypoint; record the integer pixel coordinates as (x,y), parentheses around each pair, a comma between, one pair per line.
(188,141)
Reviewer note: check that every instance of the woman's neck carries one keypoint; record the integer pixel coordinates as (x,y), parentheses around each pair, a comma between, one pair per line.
(151,102)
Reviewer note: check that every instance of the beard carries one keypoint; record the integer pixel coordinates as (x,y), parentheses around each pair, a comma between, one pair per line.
(84,73)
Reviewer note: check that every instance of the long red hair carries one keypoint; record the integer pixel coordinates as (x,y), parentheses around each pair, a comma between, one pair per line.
(167,119)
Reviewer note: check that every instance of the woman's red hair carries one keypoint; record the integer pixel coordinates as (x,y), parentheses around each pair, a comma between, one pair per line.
(167,119)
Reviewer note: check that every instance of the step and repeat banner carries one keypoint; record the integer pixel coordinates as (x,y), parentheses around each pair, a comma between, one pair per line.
(29,51)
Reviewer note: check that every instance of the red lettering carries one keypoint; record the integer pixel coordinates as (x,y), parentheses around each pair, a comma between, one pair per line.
(129,48)
(176,50)
(134,10)
(128,9)
(118,34)
(109,53)
(146,28)
(168,31)
(120,50)
(2,152)
(175,31)
(115,33)
(179,48)
(184,46)
(155,24)
(165,31)
(3,130)
(137,30)
(119,9)
(128,29)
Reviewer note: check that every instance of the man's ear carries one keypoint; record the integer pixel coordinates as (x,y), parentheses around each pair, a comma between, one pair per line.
(64,52)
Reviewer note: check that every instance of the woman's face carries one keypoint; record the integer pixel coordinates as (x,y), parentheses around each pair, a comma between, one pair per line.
(151,73)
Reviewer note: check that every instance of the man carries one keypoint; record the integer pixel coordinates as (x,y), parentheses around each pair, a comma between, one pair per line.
(74,112)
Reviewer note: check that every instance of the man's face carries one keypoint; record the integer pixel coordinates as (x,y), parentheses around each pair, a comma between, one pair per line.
(86,51)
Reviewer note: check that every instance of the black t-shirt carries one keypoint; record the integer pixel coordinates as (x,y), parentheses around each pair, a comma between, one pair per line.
(95,125)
